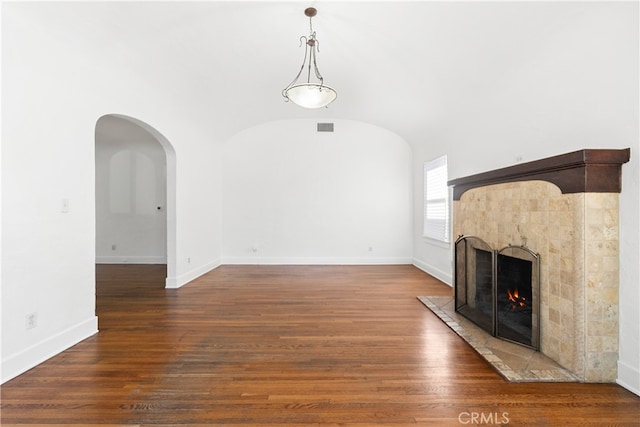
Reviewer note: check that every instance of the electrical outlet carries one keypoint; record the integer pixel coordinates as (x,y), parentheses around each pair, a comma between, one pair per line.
(113,247)
(31,320)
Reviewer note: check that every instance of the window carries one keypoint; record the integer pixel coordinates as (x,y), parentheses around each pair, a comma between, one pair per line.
(436,200)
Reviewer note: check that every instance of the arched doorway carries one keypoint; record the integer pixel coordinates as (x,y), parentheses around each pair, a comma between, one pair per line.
(135,194)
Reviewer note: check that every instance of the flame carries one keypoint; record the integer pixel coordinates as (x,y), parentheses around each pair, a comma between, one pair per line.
(516,299)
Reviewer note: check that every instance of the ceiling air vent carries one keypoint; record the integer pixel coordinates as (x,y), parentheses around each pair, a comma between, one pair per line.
(325,127)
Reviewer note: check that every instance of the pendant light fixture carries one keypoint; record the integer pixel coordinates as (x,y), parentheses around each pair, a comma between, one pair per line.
(309,94)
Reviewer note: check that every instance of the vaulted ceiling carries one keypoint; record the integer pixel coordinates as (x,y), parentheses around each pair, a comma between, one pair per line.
(411,67)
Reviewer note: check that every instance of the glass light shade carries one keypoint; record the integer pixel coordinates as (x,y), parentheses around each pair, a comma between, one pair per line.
(311,95)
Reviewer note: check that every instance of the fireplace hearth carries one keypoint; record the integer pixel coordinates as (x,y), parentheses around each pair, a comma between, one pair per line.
(498,290)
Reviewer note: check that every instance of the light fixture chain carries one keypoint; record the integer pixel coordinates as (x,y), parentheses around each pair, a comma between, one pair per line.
(315,65)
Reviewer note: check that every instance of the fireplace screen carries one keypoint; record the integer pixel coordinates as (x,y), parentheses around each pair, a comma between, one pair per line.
(498,290)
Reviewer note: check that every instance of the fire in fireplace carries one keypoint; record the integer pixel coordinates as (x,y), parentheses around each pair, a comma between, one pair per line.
(499,289)
(518,301)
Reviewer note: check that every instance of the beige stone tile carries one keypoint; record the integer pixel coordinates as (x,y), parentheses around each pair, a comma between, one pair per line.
(579,258)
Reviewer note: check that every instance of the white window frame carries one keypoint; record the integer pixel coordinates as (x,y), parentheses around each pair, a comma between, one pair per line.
(437,220)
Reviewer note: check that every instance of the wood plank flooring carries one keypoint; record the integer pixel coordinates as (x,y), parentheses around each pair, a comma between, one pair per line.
(287,346)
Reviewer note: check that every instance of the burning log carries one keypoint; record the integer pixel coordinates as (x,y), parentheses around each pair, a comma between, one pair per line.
(516,299)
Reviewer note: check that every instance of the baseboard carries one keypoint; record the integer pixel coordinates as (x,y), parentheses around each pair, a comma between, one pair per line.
(32,356)
(438,274)
(629,377)
(181,280)
(315,260)
(131,260)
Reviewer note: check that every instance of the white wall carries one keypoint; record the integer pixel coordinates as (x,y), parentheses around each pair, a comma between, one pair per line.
(131,194)
(55,89)
(578,90)
(294,195)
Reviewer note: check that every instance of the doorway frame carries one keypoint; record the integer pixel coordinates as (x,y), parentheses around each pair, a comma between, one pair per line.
(171,205)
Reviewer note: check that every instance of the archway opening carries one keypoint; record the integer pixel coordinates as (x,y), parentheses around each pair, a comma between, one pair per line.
(135,194)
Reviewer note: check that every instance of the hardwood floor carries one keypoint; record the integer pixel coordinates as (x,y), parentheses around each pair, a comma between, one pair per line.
(290,346)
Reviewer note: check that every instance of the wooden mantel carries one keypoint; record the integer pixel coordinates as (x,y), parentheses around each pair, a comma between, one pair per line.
(583,171)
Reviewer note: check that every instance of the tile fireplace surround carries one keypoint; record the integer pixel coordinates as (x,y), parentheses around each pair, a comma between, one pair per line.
(566,209)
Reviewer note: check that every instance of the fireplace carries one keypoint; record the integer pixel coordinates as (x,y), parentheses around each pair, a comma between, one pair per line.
(518,296)
(498,290)
(566,207)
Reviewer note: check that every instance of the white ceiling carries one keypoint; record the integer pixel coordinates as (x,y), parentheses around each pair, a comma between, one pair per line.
(406,66)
